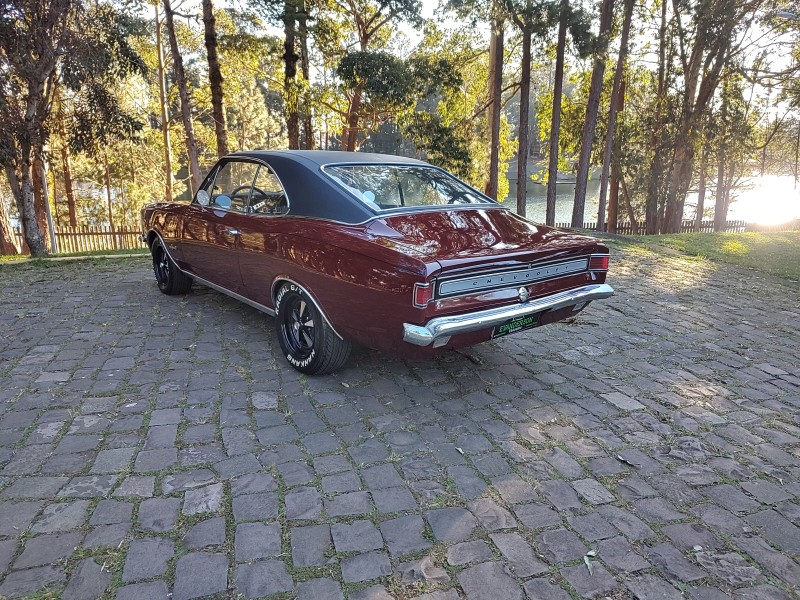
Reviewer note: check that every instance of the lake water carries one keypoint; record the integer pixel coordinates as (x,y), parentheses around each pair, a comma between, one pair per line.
(767,200)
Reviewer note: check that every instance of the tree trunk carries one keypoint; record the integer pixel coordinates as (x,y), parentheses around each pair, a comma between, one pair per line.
(186,107)
(22,189)
(290,59)
(350,135)
(701,191)
(66,166)
(522,136)
(495,107)
(40,201)
(308,125)
(215,79)
(720,212)
(656,170)
(616,105)
(8,244)
(162,100)
(108,197)
(590,121)
(629,207)
(555,123)
(613,200)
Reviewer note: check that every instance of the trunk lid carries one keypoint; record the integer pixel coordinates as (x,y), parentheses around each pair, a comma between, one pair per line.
(463,240)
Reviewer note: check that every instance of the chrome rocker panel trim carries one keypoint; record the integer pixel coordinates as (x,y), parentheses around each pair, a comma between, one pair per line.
(445,327)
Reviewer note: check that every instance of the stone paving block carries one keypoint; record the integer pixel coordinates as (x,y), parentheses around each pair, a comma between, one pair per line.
(590,585)
(21,584)
(147,558)
(778,563)
(650,587)
(15,517)
(766,491)
(560,494)
(492,516)
(519,554)
(468,553)
(777,529)
(8,548)
(593,491)
(373,592)
(352,503)
(113,461)
(203,500)
(108,512)
(390,500)
(364,567)
(159,514)
(537,516)
(257,507)
(560,545)
(151,590)
(620,555)
(310,545)
(61,516)
(689,536)
(200,574)
(358,536)
(210,532)
(136,486)
(319,589)
(88,582)
(253,483)
(543,589)
(47,549)
(451,524)
(671,561)
(110,536)
(34,487)
(257,540)
(404,534)
(488,580)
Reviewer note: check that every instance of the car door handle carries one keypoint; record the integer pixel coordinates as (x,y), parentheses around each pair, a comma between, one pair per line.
(231,231)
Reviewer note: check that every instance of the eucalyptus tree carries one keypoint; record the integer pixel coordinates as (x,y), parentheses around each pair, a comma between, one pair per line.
(44,45)
(592,107)
(577,21)
(215,78)
(534,18)
(196,176)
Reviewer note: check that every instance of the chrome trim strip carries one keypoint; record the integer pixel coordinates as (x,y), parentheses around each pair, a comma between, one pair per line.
(310,295)
(508,277)
(440,327)
(234,295)
(214,286)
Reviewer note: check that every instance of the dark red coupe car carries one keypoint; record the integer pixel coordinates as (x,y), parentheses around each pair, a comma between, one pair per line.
(389,252)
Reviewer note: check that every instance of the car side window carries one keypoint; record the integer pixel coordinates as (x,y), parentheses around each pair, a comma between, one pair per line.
(233,185)
(269,197)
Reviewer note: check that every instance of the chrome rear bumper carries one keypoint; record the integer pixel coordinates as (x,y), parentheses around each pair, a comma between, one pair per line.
(444,327)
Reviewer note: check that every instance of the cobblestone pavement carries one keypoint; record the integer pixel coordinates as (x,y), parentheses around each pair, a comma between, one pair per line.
(152,446)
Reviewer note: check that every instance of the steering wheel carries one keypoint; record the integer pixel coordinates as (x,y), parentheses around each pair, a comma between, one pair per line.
(235,193)
(456,197)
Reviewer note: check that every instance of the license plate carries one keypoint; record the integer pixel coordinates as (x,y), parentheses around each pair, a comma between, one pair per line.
(515,325)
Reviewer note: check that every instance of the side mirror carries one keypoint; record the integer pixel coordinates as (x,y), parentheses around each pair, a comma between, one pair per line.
(203,199)
(223,201)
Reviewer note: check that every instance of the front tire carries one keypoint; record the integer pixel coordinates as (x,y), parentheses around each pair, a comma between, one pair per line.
(170,279)
(307,341)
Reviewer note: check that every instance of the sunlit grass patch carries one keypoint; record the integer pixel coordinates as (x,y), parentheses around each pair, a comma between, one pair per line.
(775,253)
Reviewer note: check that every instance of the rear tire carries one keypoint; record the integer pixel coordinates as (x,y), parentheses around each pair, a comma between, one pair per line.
(170,279)
(307,341)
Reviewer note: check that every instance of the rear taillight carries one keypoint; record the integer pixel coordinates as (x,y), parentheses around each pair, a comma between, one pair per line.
(423,293)
(598,262)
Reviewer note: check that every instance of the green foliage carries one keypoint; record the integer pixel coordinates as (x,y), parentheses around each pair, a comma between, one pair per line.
(385,79)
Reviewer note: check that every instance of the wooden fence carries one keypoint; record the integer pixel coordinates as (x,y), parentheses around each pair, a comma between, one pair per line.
(688,226)
(91,239)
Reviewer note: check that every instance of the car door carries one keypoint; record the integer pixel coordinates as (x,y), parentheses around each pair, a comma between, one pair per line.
(211,234)
(259,258)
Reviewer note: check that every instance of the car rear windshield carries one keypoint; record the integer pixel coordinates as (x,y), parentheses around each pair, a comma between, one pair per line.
(392,187)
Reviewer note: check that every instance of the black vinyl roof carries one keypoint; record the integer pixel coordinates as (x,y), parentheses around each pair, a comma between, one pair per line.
(311,193)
